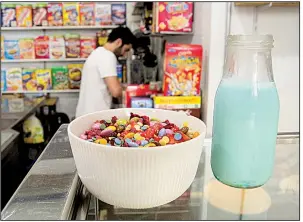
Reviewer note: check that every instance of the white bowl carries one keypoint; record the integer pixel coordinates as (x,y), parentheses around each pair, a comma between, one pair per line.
(136,177)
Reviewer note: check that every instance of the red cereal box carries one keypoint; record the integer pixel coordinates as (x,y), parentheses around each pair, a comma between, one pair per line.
(182,69)
(42,47)
(87,45)
(40,14)
(87,13)
(174,17)
(54,14)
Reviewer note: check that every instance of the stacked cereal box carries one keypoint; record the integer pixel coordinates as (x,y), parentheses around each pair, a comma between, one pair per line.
(24,15)
(87,13)
(27,49)
(44,79)
(71,13)
(54,14)
(14,79)
(8,12)
(173,17)
(29,80)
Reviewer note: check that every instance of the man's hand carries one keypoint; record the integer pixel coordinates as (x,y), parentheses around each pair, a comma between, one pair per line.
(114,86)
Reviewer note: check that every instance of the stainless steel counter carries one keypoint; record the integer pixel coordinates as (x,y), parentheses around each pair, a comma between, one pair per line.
(53,191)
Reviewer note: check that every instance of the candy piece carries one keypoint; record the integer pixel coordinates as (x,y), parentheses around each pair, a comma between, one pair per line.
(96,126)
(108,121)
(102,126)
(184,129)
(169,131)
(145,127)
(144,142)
(128,127)
(133,144)
(120,128)
(114,119)
(128,140)
(178,136)
(106,133)
(165,139)
(150,145)
(139,124)
(83,136)
(162,132)
(137,127)
(122,122)
(111,128)
(118,141)
(137,136)
(101,141)
(162,142)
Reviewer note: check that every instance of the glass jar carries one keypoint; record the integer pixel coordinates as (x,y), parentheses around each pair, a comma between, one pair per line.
(246,114)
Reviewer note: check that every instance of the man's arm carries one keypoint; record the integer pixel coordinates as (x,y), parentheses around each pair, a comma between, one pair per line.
(113,85)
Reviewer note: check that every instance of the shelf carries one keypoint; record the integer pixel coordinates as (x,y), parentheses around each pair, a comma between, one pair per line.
(44,60)
(279,4)
(44,91)
(56,28)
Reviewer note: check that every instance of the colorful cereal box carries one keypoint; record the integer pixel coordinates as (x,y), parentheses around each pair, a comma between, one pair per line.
(56,47)
(42,47)
(74,74)
(119,14)
(60,78)
(44,79)
(2,47)
(24,15)
(174,16)
(27,49)
(3,80)
(182,70)
(71,14)
(87,45)
(14,79)
(54,14)
(87,13)
(8,12)
(11,49)
(40,14)
(103,14)
(72,45)
(29,80)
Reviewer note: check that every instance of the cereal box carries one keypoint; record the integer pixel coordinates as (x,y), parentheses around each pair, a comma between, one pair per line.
(60,78)
(182,70)
(3,80)
(14,79)
(24,15)
(44,79)
(87,13)
(2,47)
(8,12)
(54,14)
(72,45)
(11,49)
(119,14)
(102,37)
(174,17)
(103,14)
(74,74)
(29,80)
(71,14)
(42,47)
(88,44)
(40,14)
(56,47)
(27,49)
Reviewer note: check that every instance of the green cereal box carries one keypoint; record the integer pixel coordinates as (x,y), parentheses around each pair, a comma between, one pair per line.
(60,78)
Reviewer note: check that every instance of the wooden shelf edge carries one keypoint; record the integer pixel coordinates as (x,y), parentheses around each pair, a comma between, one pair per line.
(276,4)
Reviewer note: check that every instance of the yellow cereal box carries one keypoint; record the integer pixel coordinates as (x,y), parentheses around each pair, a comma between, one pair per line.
(74,74)
(44,79)
(71,14)
(29,79)
(24,15)
(27,49)
(14,79)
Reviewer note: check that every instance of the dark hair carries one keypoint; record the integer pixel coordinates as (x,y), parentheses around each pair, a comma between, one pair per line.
(122,33)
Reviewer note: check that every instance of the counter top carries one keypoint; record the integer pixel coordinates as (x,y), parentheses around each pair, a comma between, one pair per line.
(52,190)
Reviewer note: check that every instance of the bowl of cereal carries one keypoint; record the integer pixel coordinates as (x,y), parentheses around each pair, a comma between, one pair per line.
(137,158)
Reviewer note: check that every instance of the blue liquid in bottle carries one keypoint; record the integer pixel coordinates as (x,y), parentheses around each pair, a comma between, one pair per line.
(245,127)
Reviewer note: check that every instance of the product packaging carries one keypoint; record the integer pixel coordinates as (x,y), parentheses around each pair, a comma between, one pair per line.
(141,102)
(103,14)
(182,70)
(44,79)
(119,14)
(102,37)
(173,17)
(24,15)
(54,14)
(72,45)
(8,12)
(27,48)
(87,13)
(56,47)
(87,45)
(3,80)
(74,74)
(42,47)
(40,14)
(29,80)
(71,15)
(11,49)
(14,79)
(2,47)
(60,78)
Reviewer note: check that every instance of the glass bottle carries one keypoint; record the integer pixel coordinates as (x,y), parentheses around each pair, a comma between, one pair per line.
(246,114)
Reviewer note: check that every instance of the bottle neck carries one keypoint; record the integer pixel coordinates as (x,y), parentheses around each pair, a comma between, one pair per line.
(248,64)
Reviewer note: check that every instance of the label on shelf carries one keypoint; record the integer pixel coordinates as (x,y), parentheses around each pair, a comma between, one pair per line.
(177,102)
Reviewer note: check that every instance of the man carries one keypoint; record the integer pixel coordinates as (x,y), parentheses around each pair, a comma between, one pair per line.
(99,82)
